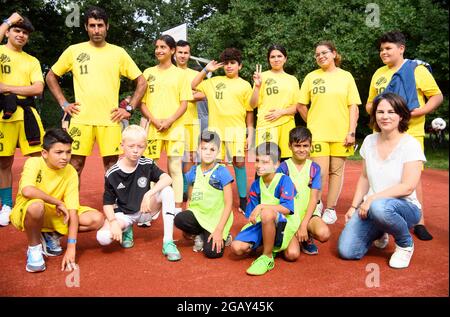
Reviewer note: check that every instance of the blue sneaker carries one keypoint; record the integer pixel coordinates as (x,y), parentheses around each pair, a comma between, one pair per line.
(51,243)
(170,250)
(309,247)
(35,260)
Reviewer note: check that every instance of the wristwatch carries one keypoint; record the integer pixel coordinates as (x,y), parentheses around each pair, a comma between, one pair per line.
(129,108)
(352,134)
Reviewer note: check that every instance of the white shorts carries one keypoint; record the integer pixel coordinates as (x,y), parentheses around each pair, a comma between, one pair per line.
(130,219)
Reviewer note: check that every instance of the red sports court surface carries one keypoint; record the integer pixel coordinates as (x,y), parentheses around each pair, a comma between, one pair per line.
(143,270)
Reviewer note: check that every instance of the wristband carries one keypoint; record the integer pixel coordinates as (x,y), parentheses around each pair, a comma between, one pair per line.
(65,104)
(354,207)
(204,69)
(71,240)
(7,22)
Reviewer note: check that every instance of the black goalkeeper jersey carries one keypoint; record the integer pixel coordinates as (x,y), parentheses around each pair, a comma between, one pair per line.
(127,190)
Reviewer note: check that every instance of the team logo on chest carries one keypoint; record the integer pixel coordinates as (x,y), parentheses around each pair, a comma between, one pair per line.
(382,80)
(318,81)
(83,57)
(4,58)
(142,182)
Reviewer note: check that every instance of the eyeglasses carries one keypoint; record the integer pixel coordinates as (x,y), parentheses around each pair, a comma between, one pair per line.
(322,53)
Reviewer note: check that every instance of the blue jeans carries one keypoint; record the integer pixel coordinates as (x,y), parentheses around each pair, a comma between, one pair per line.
(392,215)
(202,109)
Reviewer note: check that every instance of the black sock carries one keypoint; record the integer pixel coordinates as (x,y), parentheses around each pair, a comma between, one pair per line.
(422,233)
(243,203)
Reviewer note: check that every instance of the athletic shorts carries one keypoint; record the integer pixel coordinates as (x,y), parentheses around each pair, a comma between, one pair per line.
(278,135)
(13,134)
(108,139)
(228,150)
(252,233)
(172,148)
(52,222)
(331,149)
(130,219)
(191,133)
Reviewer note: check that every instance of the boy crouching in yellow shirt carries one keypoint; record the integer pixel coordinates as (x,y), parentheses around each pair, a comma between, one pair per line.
(47,204)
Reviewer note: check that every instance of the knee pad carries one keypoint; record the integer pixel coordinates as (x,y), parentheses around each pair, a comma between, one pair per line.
(104,237)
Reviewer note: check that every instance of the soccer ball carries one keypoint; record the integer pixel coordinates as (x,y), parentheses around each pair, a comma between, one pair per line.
(438,124)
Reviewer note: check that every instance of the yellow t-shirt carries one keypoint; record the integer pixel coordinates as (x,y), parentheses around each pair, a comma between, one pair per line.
(278,91)
(329,95)
(96,79)
(61,184)
(228,103)
(166,89)
(191,114)
(18,69)
(426,87)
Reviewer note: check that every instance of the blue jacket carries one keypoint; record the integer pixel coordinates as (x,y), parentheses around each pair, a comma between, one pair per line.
(403,83)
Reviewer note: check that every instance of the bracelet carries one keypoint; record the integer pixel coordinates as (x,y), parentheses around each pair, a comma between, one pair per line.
(112,220)
(204,70)
(7,22)
(354,207)
(71,240)
(65,104)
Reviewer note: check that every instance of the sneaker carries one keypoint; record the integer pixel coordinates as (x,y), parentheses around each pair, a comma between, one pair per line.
(35,260)
(319,209)
(4,215)
(261,265)
(309,247)
(228,240)
(422,233)
(127,238)
(51,243)
(382,242)
(401,257)
(329,216)
(198,244)
(144,224)
(170,250)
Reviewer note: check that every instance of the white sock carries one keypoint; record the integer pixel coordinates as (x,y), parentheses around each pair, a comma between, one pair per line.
(167,198)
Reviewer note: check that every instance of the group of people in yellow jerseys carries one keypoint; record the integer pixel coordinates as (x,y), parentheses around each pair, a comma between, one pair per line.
(284,204)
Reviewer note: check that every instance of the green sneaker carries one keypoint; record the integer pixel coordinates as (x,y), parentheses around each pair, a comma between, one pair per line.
(261,265)
(127,238)
(170,250)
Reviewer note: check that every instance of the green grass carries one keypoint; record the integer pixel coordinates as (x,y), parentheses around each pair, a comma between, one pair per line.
(435,159)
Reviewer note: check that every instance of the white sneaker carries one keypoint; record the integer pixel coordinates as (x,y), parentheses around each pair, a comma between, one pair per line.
(329,216)
(35,260)
(401,257)
(198,244)
(382,242)
(4,215)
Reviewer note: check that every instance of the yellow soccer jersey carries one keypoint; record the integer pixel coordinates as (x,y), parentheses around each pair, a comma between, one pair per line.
(425,84)
(228,103)
(18,69)
(166,89)
(96,78)
(61,184)
(191,114)
(278,91)
(329,95)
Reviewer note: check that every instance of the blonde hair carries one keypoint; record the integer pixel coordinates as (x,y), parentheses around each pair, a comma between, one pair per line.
(134,132)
